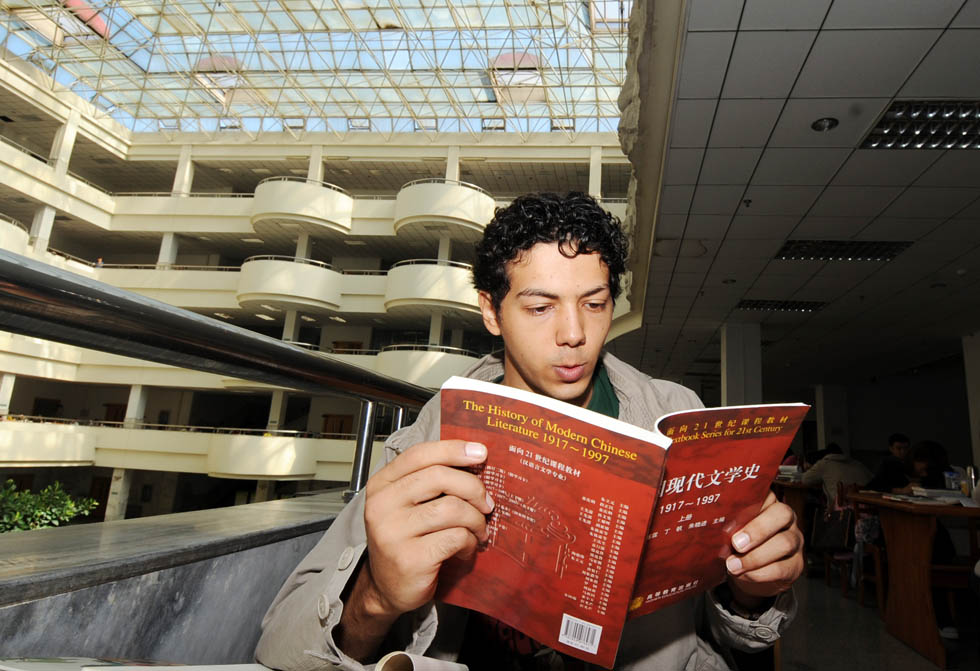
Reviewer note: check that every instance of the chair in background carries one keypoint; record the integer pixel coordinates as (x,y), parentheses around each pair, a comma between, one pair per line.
(833,537)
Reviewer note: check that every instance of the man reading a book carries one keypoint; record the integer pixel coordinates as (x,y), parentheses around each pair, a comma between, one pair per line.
(548,271)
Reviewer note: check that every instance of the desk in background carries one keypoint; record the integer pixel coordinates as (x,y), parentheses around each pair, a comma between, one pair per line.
(909,529)
(794,494)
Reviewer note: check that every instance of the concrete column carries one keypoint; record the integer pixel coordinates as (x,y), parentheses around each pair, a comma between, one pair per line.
(166,493)
(304,246)
(41,226)
(290,325)
(184,409)
(452,163)
(168,250)
(64,143)
(595,172)
(445,248)
(971,362)
(7,381)
(830,408)
(264,490)
(277,410)
(135,407)
(456,338)
(184,178)
(741,364)
(435,329)
(115,508)
(315,171)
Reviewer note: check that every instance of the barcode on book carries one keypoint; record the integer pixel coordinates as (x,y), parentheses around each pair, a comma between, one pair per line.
(580,634)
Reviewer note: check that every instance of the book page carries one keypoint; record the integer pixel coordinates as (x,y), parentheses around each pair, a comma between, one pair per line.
(717,476)
(573,503)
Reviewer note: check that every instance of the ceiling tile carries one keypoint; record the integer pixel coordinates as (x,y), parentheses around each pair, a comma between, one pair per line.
(969,16)
(891,14)
(723,165)
(740,268)
(713,14)
(744,123)
(931,202)
(971,211)
(799,166)
(765,64)
(869,167)
(867,63)
(787,200)
(746,249)
(965,230)
(707,226)
(783,14)
(676,199)
(954,168)
(856,116)
(683,165)
(750,227)
(692,122)
(669,226)
(854,201)
(943,74)
(704,63)
(716,199)
(892,228)
(828,228)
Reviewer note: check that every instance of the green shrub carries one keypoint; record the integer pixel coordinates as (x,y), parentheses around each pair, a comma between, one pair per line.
(49,508)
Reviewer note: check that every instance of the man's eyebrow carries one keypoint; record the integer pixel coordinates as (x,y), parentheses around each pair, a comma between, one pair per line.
(541,293)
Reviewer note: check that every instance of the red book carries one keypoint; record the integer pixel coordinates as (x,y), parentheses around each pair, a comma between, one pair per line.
(572,549)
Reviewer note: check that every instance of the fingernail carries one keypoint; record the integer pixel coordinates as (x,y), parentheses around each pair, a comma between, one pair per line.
(740,541)
(476,450)
(490,502)
(734,564)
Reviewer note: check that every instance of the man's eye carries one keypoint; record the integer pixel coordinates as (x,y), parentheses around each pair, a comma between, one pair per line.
(600,305)
(538,309)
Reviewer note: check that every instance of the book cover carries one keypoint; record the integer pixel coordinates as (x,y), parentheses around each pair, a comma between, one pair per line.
(720,466)
(574,492)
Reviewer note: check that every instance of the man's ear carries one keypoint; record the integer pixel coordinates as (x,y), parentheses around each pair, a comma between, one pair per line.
(490,319)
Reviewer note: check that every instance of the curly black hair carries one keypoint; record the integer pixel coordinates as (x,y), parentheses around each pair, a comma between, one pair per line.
(576,221)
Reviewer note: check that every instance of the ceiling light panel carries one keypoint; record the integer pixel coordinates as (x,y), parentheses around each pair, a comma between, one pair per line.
(779,306)
(841,250)
(927,124)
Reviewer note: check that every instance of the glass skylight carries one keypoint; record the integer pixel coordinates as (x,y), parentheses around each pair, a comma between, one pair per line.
(551,65)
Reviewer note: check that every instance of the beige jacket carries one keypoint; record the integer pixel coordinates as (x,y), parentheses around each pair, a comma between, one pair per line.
(297,631)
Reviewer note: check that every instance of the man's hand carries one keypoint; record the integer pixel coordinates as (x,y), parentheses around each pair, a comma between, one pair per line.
(419,510)
(768,555)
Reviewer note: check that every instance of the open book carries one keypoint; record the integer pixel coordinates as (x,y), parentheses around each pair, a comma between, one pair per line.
(597,520)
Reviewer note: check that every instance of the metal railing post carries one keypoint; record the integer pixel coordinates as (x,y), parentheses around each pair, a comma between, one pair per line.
(399,419)
(362,449)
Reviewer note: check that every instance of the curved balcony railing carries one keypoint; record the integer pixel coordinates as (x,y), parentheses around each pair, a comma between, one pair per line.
(191,194)
(445,201)
(14,222)
(425,365)
(21,148)
(289,283)
(15,236)
(291,259)
(306,180)
(290,199)
(442,180)
(430,348)
(432,262)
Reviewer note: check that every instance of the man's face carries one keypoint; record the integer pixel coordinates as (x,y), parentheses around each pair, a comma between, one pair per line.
(899,449)
(553,320)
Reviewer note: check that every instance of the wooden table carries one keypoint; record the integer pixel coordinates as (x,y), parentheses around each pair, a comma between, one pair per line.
(909,531)
(794,494)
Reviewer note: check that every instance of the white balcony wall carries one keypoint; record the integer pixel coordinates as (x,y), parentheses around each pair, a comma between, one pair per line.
(299,201)
(421,367)
(197,214)
(222,455)
(28,444)
(185,288)
(431,284)
(288,285)
(363,293)
(13,238)
(36,180)
(445,202)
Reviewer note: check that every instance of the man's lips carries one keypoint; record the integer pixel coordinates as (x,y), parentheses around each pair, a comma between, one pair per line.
(570,373)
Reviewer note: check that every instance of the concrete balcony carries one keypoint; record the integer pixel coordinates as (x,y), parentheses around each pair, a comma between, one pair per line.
(443,284)
(424,365)
(288,283)
(465,209)
(317,208)
(14,236)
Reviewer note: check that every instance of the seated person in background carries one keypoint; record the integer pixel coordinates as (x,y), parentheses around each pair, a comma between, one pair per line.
(891,476)
(547,272)
(928,464)
(833,468)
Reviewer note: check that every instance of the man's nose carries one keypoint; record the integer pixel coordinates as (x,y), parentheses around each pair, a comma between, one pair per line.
(571,332)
